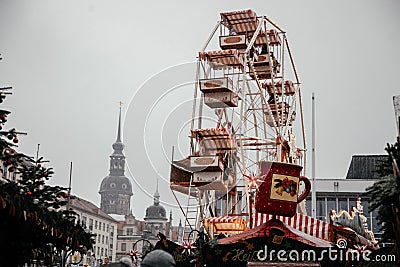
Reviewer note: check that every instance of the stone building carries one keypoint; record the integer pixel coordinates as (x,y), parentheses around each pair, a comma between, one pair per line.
(116,192)
(156,217)
(116,189)
(342,193)
(103,226)
(134,234)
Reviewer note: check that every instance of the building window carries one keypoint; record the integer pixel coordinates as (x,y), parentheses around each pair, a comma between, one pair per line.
(102,239)
(91,224)
(102,252)
(123,246)
(95,224)
(104,226)
(98,239)
(375,227)
(308,206)
(124,186)
(129,231)
(98,251)
(112,201)
(330,205)
(112,185)
(106,239)
(321,208)
(342,204)
(112,231)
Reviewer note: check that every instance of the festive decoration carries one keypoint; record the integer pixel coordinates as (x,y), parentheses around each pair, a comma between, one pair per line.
(133,254)
(253,181)
(286,186)
(188,248)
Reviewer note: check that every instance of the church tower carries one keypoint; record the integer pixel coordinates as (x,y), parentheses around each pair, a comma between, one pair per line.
(116,189)
(156,217)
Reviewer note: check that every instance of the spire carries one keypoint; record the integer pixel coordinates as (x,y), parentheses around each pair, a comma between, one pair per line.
(156,195)
(119,124)
(117,162)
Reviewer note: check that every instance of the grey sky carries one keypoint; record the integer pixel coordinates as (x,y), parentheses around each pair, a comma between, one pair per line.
(70,62)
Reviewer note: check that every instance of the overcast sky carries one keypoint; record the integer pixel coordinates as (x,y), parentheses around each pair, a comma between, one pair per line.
(71,62)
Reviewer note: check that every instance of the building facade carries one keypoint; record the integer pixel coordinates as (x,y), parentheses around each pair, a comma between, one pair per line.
(102,225)
(134,234)
(156,217)
(342,193)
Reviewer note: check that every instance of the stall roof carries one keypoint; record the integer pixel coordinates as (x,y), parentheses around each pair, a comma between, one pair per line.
(225,225)
(264,231)
(300,222)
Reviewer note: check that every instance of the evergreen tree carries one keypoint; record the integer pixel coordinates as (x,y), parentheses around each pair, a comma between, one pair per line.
(385,195)
(33,227)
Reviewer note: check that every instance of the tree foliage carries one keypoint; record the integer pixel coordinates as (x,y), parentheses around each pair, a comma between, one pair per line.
(33,226)
(385,194)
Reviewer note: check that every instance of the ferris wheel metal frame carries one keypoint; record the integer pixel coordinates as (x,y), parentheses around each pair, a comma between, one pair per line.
(260,127)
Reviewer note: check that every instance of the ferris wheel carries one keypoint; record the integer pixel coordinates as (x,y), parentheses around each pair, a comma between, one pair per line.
(247,111)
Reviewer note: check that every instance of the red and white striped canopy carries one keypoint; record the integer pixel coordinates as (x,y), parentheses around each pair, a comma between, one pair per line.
(264,230)
(244,21)
(214,139)
(220,59)
(303,223)
(224,219)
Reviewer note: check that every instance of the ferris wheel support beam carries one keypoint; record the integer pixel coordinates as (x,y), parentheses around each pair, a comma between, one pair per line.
(301,105)
(194,106)
(245,83)
(211,36)
(242,106)
(263,101)
(274,24)
(196,85)
(256,127)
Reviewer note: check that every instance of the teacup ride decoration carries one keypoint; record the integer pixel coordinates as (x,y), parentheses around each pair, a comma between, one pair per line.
(278,192)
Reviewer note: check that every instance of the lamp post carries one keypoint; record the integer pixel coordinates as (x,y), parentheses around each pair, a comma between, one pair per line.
(64,251)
